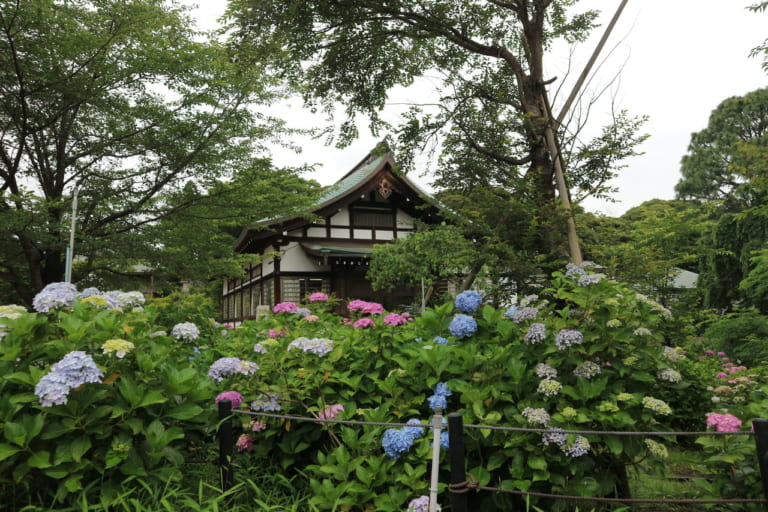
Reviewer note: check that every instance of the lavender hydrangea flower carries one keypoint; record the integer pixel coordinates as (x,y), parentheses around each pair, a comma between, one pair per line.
(589,279)
(266,402)
(74,370)
(319,346)
(576,448)
(554,436)
(468,301)
(55,295)
(185,331)
(440,340)
(462,326)
(526,313)
(302,312)
(420,504)
(536,333)
(567,338)
(587,370)
(227,366)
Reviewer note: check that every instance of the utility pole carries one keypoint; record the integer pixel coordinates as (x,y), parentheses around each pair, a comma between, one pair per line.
(550,136)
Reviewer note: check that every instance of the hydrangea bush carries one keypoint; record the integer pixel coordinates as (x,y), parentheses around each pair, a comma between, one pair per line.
(93,391)
(586,354)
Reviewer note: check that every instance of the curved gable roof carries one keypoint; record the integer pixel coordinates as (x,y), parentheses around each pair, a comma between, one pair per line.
(364,177)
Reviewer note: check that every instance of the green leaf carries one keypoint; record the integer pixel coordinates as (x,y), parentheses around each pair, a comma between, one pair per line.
(185,411)
(40,460)
(153,397)
(538,463)
(78,447)
(6,450)
(15,433)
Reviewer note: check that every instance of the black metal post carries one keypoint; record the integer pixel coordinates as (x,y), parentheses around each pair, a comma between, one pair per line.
(226,445)
(761,442)
(458,489)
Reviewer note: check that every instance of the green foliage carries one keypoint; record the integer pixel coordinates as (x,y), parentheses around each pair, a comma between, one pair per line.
(131,103)
(150,413)
(386,374)
(743,335)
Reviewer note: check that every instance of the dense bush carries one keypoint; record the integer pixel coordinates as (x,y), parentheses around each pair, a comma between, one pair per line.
(92,391)
(744,337)
(585,355)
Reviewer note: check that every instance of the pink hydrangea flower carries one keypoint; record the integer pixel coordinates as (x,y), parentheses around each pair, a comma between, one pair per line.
(725,359)
(276,333)
(363,322)
(721,353)
(285,307)
(394,319)
(722,375)
(233,396)
(311,318)
(371,308)
(723,422)
(318,297)
(258,426)
(331,412)
(244,443)
(709,352)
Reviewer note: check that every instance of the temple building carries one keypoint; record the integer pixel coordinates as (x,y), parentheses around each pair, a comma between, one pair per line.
(328,248)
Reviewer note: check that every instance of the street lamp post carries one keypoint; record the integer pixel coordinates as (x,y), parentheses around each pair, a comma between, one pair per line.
(71,246)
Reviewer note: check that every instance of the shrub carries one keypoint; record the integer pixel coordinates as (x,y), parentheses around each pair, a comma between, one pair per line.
(92,392)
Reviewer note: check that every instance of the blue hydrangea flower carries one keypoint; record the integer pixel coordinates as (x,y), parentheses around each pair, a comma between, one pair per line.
(440,340)
(416,431)
(526,313)
(445,443)
(510,312)
(396,442)
(442,389)
(468,301)
(436,401)
(55,295)
(462,326)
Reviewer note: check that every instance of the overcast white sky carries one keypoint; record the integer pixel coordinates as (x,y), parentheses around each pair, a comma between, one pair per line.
(680,59)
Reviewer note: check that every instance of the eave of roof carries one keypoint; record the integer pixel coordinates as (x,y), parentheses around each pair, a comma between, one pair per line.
(355,179)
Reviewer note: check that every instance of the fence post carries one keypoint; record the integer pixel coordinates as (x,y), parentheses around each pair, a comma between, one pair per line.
(437,425)
(226,445)
(458,468)
(761,442)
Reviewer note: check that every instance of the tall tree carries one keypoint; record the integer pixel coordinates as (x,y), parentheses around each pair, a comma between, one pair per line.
(489,54)
(124,99)
(707,168)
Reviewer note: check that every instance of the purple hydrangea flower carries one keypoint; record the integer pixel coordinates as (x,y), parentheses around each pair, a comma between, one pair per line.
(554,436)
(576,448)
(587,370)
(420,504)
(468,301)
(567,338)
(55,295)
(527,313)
(266,403)
(536,333)
(462,326)
(74,370)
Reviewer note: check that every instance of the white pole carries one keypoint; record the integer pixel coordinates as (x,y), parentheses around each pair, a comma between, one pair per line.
(437,424)
(71,246)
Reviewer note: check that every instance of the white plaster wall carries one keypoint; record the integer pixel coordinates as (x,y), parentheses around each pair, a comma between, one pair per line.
(295,259)
(316,232)
(404,220)
(341,218)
